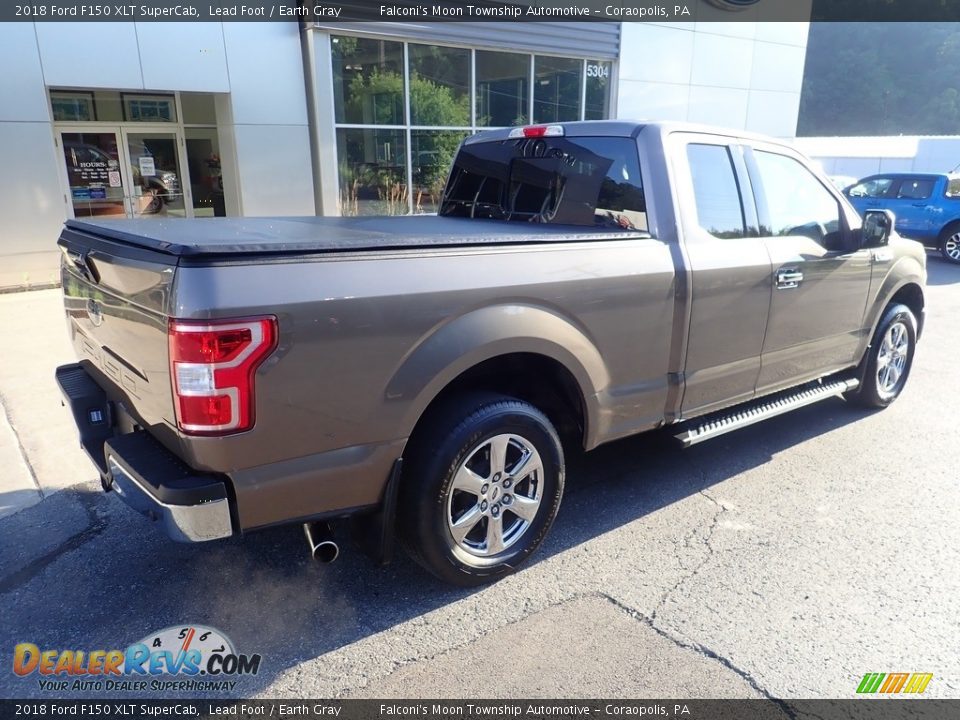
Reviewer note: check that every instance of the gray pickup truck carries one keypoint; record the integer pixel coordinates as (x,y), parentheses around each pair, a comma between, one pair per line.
(581,283)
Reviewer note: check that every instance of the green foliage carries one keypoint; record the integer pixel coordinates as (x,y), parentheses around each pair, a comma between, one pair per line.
(881,78)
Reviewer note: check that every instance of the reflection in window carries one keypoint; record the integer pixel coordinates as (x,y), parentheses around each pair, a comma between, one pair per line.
(556,83)
(598,90)
(953,188)
(432,153)
(149,108)
(503,88)
(373,174)
(439,86)
(715,191)
(570,181)
(797,203)
(367,81)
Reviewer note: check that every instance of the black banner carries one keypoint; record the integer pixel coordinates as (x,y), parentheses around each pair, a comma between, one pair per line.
(331,11)
(898,708)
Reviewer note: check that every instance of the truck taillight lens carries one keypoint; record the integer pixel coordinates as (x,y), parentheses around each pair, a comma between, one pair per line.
(213,366)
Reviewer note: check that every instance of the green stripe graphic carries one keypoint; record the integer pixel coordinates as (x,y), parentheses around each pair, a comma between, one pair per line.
(871,682)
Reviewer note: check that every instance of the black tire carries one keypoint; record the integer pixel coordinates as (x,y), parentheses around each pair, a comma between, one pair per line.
(949,243)
(876,390)
(460,438)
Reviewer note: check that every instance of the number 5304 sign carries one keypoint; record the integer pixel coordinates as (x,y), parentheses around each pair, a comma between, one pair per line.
(598,71)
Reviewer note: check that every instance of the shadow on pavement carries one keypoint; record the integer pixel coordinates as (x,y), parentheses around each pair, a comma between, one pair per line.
(82,571)
(941,272)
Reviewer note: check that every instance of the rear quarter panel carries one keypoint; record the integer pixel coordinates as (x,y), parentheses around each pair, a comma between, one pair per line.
(367,341)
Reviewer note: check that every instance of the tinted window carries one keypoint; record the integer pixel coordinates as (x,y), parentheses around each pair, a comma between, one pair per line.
(575,181)
(953,188)
(715,190)
(877,187)
(797,203)
(915,189)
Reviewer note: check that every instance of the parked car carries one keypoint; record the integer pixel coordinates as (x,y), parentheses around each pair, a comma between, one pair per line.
(926,205)
(426,375)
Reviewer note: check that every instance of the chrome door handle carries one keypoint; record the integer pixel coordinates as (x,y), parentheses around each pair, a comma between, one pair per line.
(787,279)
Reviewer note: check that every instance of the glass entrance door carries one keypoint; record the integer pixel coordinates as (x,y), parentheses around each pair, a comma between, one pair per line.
(157,181)
(115,172)
(95,176)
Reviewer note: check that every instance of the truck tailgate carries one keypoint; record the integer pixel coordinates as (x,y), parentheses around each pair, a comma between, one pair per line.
(117,299)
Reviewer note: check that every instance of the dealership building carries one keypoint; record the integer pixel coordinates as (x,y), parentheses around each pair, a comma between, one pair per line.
(154,120)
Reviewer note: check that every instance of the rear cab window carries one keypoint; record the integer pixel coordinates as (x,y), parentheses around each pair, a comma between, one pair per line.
(915,188)
(586,181)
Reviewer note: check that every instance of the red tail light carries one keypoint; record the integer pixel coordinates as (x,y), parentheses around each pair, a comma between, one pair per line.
(212,369)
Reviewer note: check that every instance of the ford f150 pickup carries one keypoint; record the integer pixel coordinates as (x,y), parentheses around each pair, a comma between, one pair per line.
(580,283)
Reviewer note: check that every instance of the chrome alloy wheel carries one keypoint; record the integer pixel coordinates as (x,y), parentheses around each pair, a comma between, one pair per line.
(892,359)
(951,247)
(495,495)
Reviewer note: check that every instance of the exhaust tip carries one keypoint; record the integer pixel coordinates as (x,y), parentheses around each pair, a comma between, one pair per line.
(323,548)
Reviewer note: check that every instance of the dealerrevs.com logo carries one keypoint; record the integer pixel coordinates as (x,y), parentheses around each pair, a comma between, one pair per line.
(202,658)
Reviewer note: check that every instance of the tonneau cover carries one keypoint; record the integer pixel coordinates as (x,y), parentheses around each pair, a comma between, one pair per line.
(231,236)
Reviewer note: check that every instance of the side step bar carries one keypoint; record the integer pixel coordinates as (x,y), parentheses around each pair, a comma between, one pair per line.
(710,426)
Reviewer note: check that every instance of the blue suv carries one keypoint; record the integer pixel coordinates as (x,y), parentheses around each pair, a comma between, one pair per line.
(927,206)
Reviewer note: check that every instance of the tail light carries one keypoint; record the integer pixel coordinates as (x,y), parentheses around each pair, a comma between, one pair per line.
(212,369)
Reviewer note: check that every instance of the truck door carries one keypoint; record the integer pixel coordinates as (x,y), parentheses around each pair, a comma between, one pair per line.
(820,280)
(729,273)
(911,200)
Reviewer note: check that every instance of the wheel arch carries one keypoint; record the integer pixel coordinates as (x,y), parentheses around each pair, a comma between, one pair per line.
(528,352)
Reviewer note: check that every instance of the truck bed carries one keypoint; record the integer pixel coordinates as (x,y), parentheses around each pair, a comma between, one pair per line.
(268,235)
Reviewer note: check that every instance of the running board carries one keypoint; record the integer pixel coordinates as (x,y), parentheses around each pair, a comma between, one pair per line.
(710,426)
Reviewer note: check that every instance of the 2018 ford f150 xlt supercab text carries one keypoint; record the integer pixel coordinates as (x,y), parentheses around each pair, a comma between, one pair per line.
(582,282)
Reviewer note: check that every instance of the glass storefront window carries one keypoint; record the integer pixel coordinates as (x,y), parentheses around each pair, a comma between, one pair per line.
(392,160)
(439,86)
(203,166)
(598,90)
(556,93)
(368,81)
(198,108)
(373,171)
(503,88)
(149,108)
(431,155)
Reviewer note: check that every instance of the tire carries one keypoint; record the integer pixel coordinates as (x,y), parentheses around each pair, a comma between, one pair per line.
(455,493)
(888,360)
(949,243)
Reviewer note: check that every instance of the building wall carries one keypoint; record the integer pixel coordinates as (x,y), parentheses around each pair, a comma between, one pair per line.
(745,75)
(858,157)
(262,116)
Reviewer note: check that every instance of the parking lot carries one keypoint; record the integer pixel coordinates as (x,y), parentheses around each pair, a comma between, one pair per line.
(787,559)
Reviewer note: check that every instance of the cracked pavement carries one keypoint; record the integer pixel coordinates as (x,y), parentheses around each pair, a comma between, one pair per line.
(784,560)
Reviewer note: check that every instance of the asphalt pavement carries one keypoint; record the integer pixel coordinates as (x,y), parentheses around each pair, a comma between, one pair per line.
(784,560)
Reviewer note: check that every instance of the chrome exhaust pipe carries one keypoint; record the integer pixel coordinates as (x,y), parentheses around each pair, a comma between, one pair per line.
(323,548)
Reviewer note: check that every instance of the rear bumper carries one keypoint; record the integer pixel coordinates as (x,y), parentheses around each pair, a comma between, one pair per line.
(191,506)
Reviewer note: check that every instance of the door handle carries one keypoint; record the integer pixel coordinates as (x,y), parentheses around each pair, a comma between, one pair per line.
(919,204)
(789,278)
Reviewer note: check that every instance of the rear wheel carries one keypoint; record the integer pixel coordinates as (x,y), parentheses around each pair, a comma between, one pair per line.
(950,243)
(481,489)
(889,359)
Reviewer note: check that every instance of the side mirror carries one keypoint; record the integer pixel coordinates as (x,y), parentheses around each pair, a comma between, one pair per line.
(877,227)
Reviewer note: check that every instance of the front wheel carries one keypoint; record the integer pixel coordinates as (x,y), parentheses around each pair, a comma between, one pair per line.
(889,359)
(481,489)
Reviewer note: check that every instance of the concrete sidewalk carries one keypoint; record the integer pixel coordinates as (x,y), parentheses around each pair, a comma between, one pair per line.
(39,453)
